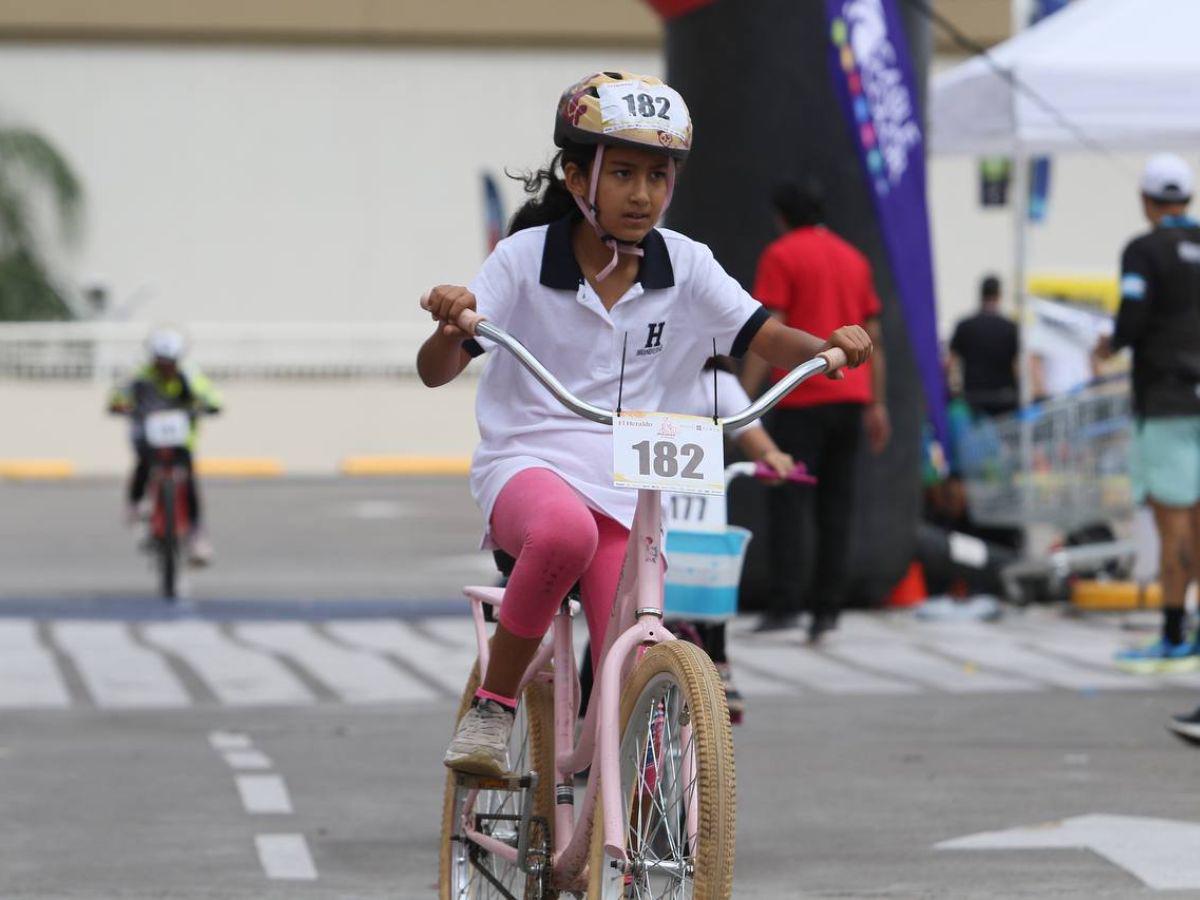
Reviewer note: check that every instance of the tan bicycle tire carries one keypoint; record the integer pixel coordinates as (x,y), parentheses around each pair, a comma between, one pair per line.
(538,704)
(713,740)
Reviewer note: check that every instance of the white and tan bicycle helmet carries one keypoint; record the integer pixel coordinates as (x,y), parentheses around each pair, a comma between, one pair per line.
(623,109)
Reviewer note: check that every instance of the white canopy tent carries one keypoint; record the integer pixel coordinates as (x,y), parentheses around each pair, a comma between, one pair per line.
(1124,73)
(1101,75)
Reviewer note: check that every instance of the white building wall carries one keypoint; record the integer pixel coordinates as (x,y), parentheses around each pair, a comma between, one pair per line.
(233,183)
(271,184)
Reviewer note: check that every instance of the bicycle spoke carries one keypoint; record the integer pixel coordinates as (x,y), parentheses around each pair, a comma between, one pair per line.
(660,796)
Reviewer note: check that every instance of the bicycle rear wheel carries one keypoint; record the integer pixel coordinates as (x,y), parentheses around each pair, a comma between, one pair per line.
(467,870)
(677,783)
(168,541)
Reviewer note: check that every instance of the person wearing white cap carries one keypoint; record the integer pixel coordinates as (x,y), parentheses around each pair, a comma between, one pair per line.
(1159,320)
(165,383)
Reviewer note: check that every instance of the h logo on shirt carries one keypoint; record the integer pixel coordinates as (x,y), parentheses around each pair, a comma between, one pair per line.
(654,338)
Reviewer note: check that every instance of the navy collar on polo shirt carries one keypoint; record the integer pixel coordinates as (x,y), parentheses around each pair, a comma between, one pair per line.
(561,271)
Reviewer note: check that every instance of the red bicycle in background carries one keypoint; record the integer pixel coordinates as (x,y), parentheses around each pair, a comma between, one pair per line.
(167,432)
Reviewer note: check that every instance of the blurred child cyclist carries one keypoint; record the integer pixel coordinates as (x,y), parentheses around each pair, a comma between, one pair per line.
(721,390)
(590,282)
(164,383)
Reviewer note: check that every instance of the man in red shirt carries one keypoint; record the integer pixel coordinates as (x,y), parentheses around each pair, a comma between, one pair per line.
(812,279)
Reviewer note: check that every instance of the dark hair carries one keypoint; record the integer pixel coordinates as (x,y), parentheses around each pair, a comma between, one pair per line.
(800,205)
(989,288)
(724,363)
(549,198)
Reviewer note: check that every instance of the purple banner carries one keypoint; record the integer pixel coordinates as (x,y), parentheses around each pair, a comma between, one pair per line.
(872,72)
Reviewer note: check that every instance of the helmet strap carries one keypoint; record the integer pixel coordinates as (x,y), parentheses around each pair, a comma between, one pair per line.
(588,209)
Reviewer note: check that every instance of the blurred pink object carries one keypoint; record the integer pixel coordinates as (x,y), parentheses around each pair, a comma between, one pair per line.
(799,474)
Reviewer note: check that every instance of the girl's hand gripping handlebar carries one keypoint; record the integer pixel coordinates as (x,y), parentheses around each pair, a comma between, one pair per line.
(454,306)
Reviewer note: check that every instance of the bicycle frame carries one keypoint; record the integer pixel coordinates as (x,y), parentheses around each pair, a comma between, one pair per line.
(165,467)
(635,624)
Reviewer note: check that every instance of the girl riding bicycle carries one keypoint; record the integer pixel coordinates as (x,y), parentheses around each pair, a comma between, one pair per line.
(625,314)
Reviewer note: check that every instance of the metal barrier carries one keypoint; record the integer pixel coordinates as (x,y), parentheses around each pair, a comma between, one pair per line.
(107,350)
(1078,452)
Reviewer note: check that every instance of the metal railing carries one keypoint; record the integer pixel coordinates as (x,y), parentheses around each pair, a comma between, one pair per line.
(226,350)
(1077,468)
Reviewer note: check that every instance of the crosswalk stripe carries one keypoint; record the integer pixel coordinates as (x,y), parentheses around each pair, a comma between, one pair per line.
(178,664)
(117,672)
(356,675)
(911,662)
(29,676)
(237,675)
(454,631)
(999,652)
(814,670)
(445,666)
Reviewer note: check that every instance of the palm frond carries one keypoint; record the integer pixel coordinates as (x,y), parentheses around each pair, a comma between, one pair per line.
(25,154)
(27,292)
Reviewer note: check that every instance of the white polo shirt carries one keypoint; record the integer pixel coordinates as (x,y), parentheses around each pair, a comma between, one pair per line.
(532,287)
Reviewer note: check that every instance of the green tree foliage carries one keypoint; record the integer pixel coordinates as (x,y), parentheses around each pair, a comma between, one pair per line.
(32,170)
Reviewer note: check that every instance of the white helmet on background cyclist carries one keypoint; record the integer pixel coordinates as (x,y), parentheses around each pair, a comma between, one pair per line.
(166,344)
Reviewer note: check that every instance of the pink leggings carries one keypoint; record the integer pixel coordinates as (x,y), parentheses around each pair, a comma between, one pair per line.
(557,540)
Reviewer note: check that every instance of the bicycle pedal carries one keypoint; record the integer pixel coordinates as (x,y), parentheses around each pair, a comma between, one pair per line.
(514,783)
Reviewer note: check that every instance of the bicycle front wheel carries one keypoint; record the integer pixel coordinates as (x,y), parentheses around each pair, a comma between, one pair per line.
(468,870)
(168,542)
(677,783)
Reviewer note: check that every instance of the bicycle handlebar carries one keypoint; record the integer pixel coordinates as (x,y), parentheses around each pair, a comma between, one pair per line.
(477,326)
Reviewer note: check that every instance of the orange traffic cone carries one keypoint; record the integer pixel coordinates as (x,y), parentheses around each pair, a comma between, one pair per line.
(910,590)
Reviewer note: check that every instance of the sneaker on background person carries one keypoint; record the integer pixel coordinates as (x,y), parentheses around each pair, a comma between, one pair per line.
(821,624)
(770,621)
(480,743)
(733,697)
(1187,727)
(1160,657)
(200,549)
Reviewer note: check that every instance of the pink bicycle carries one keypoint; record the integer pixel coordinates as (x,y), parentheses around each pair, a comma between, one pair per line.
(658,812)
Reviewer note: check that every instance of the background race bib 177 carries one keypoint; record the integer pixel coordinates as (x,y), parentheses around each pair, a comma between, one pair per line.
(668,452)
(632,104)
(696,512)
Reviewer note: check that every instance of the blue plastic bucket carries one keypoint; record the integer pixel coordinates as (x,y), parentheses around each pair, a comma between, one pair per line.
(703,571)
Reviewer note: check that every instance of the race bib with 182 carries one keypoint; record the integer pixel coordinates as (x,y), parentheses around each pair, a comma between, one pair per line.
(668,452)
(634,104)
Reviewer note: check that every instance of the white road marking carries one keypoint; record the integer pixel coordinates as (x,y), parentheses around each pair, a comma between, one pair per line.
(229,740)
(356,675)
(264,794)
(285,857)
(1159,852)
(29,677)
(237,675)
(247,759)
(810,668)
(119,673)
(457,630)
(998,651)
(379,509)
(912,663)
(447,666)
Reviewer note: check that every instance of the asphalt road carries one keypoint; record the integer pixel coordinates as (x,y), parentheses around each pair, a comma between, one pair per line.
(328,539)
(296,759)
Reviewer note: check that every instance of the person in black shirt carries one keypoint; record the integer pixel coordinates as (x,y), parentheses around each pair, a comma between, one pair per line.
(984,350)
(1159,319)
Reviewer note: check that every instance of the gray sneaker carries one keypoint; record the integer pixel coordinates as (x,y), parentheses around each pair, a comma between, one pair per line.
(480,744)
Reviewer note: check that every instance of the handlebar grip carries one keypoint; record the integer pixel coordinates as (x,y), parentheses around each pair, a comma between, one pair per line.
(467,319)
(835,357)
